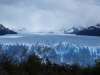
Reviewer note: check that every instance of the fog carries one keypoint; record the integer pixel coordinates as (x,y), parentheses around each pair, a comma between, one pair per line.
(35,15)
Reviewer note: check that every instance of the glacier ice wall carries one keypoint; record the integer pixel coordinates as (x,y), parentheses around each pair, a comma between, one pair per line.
(58,52)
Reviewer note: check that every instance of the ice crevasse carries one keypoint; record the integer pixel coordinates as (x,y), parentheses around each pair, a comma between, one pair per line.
(58,52)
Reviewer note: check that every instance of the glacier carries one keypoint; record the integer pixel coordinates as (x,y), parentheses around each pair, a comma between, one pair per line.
(59,53)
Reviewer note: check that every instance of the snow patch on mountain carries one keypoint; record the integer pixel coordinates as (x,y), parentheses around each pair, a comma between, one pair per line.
(73,30)
(22,30)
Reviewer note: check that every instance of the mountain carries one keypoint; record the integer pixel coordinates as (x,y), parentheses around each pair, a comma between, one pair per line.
(22,30)
(4,30)
(91,31)
(72,30)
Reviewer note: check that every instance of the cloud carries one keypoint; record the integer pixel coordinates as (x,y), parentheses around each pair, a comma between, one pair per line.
(48,14)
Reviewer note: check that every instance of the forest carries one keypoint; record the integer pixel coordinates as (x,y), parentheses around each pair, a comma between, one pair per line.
(35,66)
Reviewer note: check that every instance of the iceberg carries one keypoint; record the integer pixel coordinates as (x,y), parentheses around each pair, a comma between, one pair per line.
(58,52)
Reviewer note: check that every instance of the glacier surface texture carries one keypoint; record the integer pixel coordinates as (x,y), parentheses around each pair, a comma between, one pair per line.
(58,52)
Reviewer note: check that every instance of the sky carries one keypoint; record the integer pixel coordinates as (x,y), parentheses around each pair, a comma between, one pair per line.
(36,15)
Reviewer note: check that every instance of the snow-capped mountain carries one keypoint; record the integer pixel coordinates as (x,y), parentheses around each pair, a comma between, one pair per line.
(92,31)
(72,30)
(4,30)
(22,30)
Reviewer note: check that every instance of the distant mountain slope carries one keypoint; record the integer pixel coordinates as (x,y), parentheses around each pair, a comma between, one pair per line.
(92,31)
(4,30)
(73,30)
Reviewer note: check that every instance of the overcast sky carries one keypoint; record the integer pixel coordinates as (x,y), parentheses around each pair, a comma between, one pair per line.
(49,14)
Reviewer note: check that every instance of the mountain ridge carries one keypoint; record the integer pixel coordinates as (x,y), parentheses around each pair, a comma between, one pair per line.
(4,30)
(91,31)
